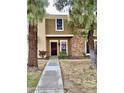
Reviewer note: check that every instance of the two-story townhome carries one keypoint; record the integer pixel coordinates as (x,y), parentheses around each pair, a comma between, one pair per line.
(55,36)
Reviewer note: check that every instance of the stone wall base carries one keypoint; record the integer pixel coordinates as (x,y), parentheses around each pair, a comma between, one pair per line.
(77,45)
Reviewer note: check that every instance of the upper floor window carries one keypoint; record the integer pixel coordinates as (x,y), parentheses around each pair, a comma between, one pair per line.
(59,25)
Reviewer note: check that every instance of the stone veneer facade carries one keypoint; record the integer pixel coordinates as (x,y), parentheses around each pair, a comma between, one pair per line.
(77,45)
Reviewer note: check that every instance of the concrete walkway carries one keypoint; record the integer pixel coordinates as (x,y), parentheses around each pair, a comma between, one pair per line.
(51,80)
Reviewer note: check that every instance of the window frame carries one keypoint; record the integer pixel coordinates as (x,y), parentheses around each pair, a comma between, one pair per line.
(62,24)
(50,46)
(66,45)
(86,46)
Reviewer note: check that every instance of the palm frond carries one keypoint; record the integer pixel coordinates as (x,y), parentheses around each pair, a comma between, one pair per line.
(36,10)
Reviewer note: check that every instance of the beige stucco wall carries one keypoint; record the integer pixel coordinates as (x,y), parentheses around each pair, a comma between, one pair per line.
(51,28)
(95,33)
(47,27)
(41,37)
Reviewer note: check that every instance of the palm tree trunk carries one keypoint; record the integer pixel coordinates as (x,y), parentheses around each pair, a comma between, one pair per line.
(32,55)
(92,50)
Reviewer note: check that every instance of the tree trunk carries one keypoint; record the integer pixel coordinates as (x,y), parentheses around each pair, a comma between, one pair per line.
(32,39)
(93,54)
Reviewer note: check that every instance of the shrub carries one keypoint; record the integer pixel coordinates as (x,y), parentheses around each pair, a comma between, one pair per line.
(42,53)
(62,54)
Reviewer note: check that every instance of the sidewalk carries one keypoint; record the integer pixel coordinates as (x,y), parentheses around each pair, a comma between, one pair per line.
(51,80)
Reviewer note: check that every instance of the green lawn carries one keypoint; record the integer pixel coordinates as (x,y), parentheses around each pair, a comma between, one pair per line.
(33,78)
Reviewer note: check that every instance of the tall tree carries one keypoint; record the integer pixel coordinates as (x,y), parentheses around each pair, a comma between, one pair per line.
(35,13)
(82,16)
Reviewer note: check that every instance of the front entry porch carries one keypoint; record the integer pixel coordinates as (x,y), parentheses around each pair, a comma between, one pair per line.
(56,46)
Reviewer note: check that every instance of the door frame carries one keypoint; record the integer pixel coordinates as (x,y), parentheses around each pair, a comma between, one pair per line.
(66,45)
(50,46)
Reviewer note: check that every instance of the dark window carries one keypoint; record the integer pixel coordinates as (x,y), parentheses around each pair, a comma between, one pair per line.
(59,24)
(63,45)
(87,49)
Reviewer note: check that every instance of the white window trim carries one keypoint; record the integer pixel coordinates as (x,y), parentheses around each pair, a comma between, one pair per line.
(66,45)
(50,46)
(86,47)
(62,24)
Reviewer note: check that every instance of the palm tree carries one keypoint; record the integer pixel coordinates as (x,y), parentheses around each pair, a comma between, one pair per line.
(35,12)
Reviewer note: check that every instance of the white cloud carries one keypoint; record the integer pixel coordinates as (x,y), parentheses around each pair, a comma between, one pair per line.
(51,9)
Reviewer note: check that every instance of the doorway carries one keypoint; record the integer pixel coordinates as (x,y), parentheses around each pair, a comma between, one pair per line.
(53,48)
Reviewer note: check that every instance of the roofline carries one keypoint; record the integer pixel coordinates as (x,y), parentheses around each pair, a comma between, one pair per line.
(55,16)
(51,35)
